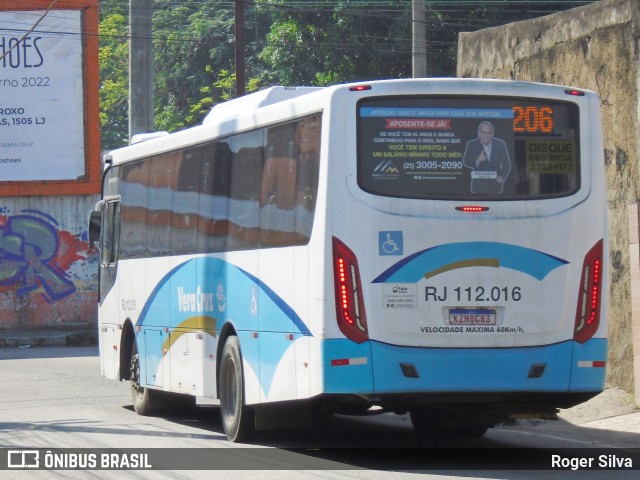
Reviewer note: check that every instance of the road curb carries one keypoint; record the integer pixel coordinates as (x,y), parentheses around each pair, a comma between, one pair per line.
(49,339)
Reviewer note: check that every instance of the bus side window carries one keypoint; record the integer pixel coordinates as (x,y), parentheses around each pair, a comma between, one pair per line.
(161,185)
(213,201)
(184,219)
(110,243)
(244,191)
(134,190)
(290,182)
(278,186)
(110,230)
(308,140)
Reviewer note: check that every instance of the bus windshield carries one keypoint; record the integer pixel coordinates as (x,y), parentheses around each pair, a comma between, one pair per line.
(482,148)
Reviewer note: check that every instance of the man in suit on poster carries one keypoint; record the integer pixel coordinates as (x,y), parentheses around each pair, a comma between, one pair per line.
(488,159)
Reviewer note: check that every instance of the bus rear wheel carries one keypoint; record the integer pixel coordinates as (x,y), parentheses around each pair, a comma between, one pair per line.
(147,401)
(140,396)
(237,418)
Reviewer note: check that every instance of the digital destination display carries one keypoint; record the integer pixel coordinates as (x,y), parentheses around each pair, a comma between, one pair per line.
(454,147)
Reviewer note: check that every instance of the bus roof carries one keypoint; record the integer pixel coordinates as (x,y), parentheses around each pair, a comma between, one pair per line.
(229,113)
(254,101)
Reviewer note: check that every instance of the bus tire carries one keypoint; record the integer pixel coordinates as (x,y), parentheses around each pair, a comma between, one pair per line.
(237,418)
(140,396)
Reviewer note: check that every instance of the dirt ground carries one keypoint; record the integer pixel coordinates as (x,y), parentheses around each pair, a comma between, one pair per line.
(610,403)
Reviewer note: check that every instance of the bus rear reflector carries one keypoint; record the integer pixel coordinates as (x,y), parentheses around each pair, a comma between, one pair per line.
(342,362)
(589,295)
(349,301)
(591,364)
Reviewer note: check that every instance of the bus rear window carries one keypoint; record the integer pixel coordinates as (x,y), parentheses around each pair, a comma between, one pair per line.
(468,147)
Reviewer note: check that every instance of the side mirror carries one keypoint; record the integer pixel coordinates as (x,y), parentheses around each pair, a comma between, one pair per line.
(95,223)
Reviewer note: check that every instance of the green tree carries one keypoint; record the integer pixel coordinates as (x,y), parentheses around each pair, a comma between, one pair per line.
(288,42)
(114,85)
(193,45)
(193,55)
(346,42)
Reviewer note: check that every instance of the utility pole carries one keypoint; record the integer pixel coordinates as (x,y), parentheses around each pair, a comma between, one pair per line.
(419,40)
(240,67)
(141,118)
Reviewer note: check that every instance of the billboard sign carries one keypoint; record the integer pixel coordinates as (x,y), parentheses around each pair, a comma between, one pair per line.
(48,132)
(41,111)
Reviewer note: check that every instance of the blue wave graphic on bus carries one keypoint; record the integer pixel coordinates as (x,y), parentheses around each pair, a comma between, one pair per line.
(216,288)
(204,293)
(436,260)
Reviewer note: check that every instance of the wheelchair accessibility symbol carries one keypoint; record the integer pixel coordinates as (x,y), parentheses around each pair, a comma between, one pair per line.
(390,243)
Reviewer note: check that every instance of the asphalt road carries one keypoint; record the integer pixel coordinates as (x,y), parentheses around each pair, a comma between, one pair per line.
(54,398)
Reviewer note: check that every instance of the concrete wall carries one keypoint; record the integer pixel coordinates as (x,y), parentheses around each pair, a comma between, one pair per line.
(48,274)
(593,47)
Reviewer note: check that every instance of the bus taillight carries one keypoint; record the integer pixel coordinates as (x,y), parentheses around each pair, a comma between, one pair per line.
(588,309)
(349,302)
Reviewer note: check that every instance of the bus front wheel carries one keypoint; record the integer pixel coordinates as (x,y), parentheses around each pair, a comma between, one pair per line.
(237,418)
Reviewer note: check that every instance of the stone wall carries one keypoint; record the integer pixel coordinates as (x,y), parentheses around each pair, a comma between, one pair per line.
(593,47)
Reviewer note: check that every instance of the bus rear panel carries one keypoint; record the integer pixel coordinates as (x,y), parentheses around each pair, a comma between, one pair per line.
(475,280)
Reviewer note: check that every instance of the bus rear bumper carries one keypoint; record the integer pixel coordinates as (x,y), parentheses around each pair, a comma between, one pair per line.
(374,368)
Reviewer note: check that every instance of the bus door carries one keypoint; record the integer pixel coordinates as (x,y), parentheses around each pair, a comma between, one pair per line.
(104,226)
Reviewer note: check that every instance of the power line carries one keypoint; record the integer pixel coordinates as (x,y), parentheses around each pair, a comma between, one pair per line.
(15,45)
(364,11)
(455,16)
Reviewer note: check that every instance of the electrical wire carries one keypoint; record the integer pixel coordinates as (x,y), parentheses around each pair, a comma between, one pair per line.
(453,14)
(15,45)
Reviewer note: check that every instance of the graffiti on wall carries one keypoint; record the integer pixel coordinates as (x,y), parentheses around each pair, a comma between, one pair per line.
(36,256)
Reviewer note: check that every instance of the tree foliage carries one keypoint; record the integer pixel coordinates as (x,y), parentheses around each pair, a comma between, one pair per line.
(114,83)
(288,42)
(192,48)
(343,43)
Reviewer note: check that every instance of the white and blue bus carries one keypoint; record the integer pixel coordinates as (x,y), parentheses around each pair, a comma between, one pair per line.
(436,247)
